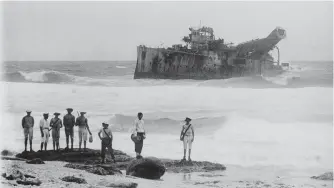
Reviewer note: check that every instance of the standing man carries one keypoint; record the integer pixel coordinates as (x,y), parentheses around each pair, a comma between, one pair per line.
(69,122)
(44,126)
(187,136)
(106,137)
(138,134)
(28,125)
(82,122)
(56,124)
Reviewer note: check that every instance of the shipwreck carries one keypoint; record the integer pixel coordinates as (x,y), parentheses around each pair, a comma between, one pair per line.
(205,57)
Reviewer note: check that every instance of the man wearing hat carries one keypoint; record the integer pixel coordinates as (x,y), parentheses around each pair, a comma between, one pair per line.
(82,122)
(187,136)
(106,137)
(27,125)
(44,126)
(56,124)
(69,122)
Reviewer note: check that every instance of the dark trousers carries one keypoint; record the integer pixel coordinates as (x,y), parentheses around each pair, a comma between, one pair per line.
(103,150)
(140,143)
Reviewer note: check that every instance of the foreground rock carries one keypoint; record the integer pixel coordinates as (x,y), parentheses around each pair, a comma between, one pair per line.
(119,184)
(194,166)
(99,169)
(93,156)
(149,168)
(74,179)
(35,161)
(21,178)
(325,176)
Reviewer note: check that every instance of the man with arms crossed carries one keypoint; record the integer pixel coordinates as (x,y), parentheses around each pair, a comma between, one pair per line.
(28,125)
(69,122)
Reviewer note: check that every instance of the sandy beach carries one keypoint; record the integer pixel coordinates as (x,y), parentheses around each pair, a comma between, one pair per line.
(51,173)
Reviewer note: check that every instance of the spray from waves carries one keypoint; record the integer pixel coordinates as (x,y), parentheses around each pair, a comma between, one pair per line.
(247,82)
(284,141)
(54,77)
(283,79)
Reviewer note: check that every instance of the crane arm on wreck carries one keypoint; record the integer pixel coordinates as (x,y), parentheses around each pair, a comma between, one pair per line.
(256,49)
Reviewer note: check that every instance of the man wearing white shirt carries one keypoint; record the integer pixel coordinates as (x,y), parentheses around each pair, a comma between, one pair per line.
(44,126)
(139,135)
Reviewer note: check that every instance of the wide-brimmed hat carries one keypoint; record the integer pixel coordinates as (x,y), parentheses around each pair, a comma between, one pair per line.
(82,112)
(44,114)
(105,123)
(28,111)
(69,109)
(56,113)
(187,119)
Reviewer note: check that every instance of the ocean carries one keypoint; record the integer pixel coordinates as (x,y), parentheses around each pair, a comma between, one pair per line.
(282,121)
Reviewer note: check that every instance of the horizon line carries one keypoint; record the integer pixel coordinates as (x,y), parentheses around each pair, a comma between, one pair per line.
(130,60)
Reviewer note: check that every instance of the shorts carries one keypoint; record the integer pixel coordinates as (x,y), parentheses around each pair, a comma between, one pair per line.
(45,138)
(187,142)
(55,134)
(69,132)
(28,132)
(82,134)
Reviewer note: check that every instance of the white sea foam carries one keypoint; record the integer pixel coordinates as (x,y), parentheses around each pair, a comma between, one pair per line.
(120,67)
(262,126)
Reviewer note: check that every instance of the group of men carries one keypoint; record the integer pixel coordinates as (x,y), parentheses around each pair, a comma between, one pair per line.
(105,134)
(54,126)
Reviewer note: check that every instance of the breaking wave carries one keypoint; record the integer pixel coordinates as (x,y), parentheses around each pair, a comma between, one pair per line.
(120,67)
(52,77)
(296,76)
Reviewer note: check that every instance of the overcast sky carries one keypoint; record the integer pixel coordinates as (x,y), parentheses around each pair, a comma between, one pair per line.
(77,31)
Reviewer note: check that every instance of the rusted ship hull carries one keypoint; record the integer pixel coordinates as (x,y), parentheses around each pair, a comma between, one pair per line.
(160,63)
(209,58)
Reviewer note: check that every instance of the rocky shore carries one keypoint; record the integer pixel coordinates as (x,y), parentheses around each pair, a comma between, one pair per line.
(83,169)
(90,161)
(91,158)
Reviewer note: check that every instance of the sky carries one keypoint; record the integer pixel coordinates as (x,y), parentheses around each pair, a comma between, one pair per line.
(85,31)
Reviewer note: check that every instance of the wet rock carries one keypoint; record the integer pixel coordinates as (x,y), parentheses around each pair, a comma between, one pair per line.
(29,176)
(75,156)
(74,179)
(123,185)
(35,161)
(211,175)
(193,166)
(208,183)
(7,153)
(16,174)
(98,169)
(149,168)
(119,184)
(325,176)
(12,158)
(36,182)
